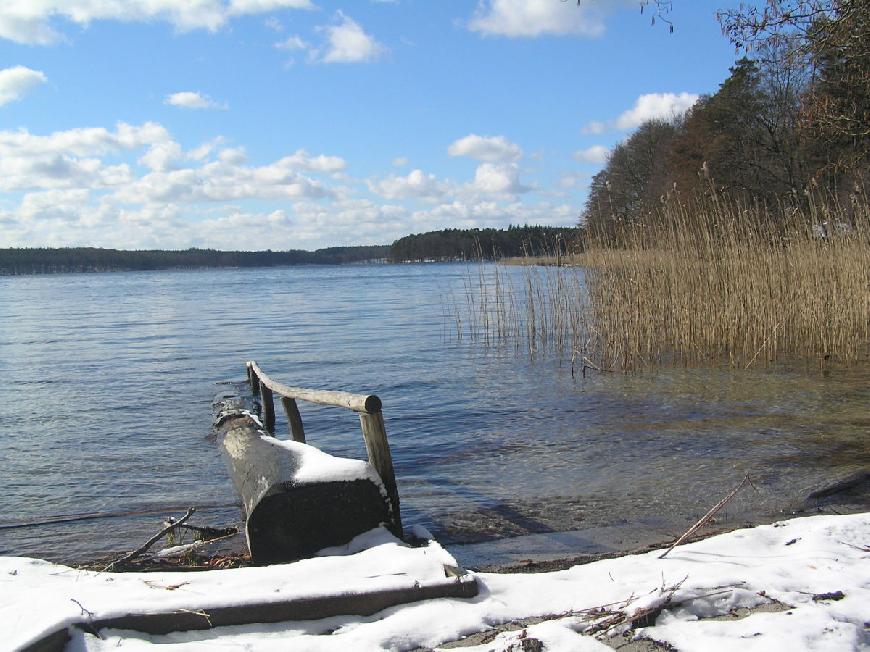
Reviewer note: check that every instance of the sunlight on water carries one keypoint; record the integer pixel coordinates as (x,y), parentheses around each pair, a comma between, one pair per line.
(105,407)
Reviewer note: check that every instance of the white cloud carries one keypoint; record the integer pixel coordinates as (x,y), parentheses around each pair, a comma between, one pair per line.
(416,184)
(193,100)
(135,186)
(498,179)
(17,81)
(492,149)
(595,154)
(301,160)
(68,159)
(221,181)
(400,161)
(347,42)
(651,106)
(656,106)
(243,7)
(292,43)
(531,18)
(595,128)
(161,156)
(31,21)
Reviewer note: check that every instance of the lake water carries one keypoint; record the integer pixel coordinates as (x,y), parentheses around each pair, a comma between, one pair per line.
(107,381)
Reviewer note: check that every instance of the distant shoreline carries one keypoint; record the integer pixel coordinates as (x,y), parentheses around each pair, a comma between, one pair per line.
(38,261)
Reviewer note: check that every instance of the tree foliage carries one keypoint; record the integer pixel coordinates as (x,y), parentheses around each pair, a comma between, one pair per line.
(475,244)
(831,40)
(793,117)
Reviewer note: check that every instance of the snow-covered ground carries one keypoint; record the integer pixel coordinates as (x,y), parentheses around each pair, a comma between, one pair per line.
(814,571)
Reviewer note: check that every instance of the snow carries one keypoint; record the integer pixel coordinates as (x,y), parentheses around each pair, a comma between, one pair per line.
(791,563)
(316,466)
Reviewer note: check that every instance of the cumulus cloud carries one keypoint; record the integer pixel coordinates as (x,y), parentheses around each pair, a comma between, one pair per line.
(532,18)
(243,7)
(193,100)
(347,42)
(302,160)
(400,161)
(221,181)
(17,81)
(492,149)
(656,106)
(135,186)
(71,158)
(498,179)
(415,184)
(651,106)
(32,21)
(595,154)
(75,160)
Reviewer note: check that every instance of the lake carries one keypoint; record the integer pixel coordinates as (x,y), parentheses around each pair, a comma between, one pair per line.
(105,409)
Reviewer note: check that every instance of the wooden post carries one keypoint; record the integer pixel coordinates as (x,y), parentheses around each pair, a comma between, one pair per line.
(268,409)
(294,419)
(378,449)
(255,381)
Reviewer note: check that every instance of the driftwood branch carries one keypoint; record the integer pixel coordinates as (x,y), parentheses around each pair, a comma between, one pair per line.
(183,549)
(144,547)
(709,515)
(207,533)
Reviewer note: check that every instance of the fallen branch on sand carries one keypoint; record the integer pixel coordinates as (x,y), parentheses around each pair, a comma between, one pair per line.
(176,551)
(144,547)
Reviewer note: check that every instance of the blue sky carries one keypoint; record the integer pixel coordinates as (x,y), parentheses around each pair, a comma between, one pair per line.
(254,124)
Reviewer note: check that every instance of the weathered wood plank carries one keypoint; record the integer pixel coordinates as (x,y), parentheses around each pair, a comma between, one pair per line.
(356,402)
(253,379)
(294,419)
(268,403)
(365,603)
(380,457)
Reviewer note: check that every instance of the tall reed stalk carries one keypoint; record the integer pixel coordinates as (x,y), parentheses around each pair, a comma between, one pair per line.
(707,282)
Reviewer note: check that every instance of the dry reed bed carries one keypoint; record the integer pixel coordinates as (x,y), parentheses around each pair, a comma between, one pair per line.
(711,282)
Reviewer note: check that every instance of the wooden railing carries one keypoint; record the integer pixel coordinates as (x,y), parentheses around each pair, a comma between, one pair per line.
(370,416)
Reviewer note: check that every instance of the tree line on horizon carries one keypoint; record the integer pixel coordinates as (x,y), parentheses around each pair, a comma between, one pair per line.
(443,245)
(44,260)
(791,123)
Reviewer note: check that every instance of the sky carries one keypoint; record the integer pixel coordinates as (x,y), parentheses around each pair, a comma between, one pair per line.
(301,124)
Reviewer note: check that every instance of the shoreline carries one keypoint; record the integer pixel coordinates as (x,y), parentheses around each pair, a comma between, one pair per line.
(232,552)
(797,582)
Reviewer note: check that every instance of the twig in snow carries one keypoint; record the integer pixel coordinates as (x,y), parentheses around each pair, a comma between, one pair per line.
(87,613)
(143,548)
(709,515)
(202,613)
(852,545)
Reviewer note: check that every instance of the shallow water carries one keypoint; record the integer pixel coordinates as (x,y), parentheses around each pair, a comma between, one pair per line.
(105,406)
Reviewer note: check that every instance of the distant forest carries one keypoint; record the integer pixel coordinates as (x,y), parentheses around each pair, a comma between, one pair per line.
(90,259)
(446,245)
(486,244)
